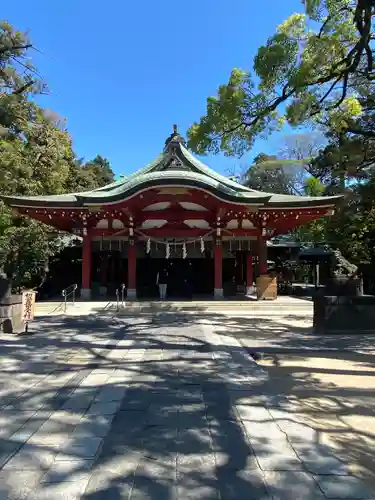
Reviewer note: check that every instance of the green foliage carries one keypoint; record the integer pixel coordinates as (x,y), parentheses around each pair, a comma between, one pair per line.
(25,247)
(353,227)
(36,158)
(270,175)
(91,175)
(317,68)
(313,187)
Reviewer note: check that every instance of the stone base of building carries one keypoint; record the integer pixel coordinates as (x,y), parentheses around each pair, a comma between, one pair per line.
(11,314)
(86,293)
(250,290)
(218,293)
(131,293)
(103,290)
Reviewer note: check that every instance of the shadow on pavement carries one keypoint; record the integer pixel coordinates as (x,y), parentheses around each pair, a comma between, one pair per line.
(148,408)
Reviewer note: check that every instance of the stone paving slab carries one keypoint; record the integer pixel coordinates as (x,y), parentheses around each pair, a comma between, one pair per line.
(292,485)
(144,409)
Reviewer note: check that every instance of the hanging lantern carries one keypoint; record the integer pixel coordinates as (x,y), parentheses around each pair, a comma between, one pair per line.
(148,246)
(202,245)
(167,251)
(184,251)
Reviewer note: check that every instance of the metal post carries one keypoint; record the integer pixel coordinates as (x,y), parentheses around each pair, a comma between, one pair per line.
(74,294)
(117,300)
(65,304)
(122,293)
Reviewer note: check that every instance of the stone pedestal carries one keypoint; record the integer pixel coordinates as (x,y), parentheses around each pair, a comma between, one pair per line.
(218,293)
(11,320)
(343,314)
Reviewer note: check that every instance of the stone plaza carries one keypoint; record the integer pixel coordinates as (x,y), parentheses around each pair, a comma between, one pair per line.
(97,405)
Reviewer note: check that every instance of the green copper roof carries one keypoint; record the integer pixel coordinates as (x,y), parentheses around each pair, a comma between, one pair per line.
(175,166)
(285,200)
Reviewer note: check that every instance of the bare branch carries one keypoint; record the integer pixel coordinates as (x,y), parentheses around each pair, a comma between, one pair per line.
(4,50)
(23,88)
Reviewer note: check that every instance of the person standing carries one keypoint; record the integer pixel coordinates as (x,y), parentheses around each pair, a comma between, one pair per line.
(162,282)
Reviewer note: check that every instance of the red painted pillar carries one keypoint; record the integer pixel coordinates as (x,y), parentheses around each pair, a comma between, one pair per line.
(262,249)
(249,273)
(132,270)
(86,267)
(218,269)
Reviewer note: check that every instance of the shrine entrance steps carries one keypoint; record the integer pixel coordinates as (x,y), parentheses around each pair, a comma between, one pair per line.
(283,306)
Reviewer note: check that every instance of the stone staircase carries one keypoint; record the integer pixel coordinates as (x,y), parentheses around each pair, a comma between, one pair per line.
(283,306)
(79,308)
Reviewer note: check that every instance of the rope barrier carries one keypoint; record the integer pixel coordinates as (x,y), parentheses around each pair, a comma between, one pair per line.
(161,242)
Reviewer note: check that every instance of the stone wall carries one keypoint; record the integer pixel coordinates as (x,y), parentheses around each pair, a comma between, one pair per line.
(11,314)
(344,314)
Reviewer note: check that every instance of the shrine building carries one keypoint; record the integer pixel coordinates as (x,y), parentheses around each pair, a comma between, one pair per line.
(207,230)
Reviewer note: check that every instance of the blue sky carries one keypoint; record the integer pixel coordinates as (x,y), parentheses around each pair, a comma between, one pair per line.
(122,72)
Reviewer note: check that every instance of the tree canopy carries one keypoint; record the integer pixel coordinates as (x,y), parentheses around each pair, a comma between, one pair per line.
(36,157)
(317,73)
(316,69)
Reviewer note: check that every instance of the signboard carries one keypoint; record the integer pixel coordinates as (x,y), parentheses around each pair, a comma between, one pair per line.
(28,305)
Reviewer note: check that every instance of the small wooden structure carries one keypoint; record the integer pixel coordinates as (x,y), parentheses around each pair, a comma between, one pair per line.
(266,287)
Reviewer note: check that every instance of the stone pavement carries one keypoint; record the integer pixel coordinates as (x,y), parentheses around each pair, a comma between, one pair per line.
(156,407)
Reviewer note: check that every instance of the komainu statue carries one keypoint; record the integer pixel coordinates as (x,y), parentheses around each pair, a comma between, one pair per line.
(345,280)
(341,266)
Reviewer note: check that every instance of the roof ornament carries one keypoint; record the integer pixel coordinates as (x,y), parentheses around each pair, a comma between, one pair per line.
(172,159)
(175,137)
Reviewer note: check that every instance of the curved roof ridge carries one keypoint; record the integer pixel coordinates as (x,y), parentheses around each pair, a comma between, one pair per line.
(290,198)
(174,175)
(205,170)
(125,180)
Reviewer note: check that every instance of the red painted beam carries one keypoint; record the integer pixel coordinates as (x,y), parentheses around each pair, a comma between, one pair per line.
(109,232)
(173,233)
(174,215)
(191,233)
(142,200)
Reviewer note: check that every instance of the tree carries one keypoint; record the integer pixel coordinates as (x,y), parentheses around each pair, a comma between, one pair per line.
(266,174)
(317,71)
(86,176)
(317,68)
(18,80)
(288,171)
(36,158)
